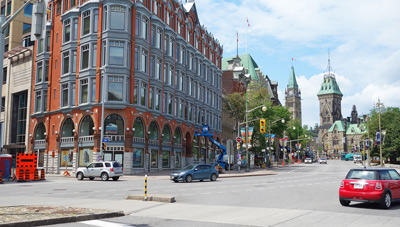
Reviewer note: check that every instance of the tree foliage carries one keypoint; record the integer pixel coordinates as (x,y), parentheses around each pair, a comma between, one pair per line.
(390,121)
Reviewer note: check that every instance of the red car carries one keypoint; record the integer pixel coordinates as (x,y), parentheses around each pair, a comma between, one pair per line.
(371,185)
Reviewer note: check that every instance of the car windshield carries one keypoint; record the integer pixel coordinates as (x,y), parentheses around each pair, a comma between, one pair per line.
(188,167)
(361,174)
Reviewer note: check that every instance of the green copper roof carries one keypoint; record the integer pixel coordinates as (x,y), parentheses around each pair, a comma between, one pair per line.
(355,129)
(339,125)
(329,86)
(247,62)
(292,80)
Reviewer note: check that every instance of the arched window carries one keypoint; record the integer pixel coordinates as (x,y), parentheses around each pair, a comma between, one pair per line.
(67,128)
(178,136)
(114,125)
(139,128)
(166,137)
(153,129)
(87,125)
(39,132)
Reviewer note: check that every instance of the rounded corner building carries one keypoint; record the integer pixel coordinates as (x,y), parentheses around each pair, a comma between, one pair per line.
(126,80)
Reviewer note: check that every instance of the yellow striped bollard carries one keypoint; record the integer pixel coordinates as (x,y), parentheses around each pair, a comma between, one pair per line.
(145,187)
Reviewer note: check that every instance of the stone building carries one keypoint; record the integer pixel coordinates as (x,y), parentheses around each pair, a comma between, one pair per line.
(335,134)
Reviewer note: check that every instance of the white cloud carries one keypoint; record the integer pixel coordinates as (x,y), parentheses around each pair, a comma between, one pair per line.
(362,35)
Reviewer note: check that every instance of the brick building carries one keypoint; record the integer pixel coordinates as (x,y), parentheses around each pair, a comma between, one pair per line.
(153,66)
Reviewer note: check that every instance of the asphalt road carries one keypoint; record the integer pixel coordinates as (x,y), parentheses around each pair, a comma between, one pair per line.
(298,195)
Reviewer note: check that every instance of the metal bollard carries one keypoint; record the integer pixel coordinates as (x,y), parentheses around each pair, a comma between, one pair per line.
(145,187)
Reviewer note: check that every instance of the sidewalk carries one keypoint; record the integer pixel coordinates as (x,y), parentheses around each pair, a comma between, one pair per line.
(66,211)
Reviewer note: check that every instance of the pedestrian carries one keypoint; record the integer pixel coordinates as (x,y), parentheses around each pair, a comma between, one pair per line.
(239,162)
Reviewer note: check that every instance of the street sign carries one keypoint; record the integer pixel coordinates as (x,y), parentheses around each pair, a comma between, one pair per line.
(66,158)
(238,139)
(105,140)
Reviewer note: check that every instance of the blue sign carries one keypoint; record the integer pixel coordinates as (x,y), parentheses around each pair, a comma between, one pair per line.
(105,140)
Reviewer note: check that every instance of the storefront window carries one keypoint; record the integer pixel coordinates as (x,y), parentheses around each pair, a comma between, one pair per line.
(137,157)
(166,137)
(154,159)
(153,131)
(165,159)
(40,155)
(67,158)
(85,156)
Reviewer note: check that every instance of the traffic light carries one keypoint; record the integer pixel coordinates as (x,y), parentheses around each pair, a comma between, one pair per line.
(103,146)
(238,146)
(262,126)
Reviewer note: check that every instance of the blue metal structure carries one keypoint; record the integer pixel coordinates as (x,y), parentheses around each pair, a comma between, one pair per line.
(220,160)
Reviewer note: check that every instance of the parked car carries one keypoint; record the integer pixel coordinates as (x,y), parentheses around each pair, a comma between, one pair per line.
(104,170)
(323,160)
(308,160)
(195,172)
(371,185)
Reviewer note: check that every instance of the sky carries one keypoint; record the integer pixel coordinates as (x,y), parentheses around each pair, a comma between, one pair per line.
(362,38)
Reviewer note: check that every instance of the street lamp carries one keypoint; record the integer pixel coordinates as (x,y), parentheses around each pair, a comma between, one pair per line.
(246,79)
(379,104)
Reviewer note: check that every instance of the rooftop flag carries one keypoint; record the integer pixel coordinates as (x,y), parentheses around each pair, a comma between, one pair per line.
(248,24)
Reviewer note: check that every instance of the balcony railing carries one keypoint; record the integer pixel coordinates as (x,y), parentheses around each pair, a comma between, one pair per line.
(178,145)
(153,142)
(118,138)
(138,140)
(166,144)
(67,139)
(40,142)
(86,139)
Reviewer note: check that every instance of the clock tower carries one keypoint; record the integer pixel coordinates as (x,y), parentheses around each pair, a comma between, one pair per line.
(293,97)
(330,103)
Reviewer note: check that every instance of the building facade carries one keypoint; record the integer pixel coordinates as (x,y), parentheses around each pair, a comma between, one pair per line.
(337,134)
(293,97)
(17,73)
(150,65)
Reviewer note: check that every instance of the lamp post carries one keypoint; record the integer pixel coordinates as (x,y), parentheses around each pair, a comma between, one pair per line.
(246,78)
(379,104)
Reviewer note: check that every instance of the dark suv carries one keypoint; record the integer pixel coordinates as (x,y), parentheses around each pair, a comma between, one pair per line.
(371,185)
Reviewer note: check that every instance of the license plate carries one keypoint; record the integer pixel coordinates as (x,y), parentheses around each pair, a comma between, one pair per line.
(358,186)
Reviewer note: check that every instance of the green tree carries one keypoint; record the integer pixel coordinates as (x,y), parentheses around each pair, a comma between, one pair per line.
(390,121)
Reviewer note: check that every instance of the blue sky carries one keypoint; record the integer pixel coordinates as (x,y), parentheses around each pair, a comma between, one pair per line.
(362,36)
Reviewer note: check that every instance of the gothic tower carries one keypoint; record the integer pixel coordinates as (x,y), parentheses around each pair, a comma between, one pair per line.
(330,102)
(293,97)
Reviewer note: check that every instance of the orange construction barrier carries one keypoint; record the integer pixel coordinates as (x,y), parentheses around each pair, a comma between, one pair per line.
(26,162)
(283,163)
(36,175)
(20,176)
(27,175)
(42,175)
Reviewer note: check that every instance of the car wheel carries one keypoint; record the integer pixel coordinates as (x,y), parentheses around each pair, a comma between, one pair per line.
(386,202)
(115,178)
(344,203)
(189,178)
(79,176)
(104,176)
(213,177)
(91,178)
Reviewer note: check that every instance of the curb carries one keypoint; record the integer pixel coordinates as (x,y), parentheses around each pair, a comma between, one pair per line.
(155,198)
(71,219)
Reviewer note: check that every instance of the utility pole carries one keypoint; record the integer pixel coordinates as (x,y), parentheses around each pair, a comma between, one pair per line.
(379,104)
